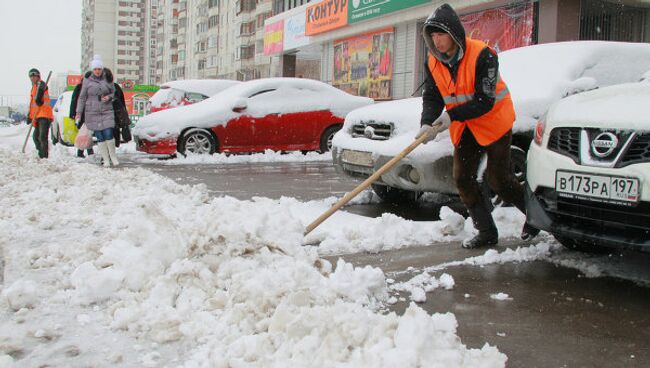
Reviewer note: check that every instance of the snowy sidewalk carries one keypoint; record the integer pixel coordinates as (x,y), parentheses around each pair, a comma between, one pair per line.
(124,267)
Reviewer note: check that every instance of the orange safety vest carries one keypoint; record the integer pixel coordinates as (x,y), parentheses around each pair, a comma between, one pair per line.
(486,128)
(44,111)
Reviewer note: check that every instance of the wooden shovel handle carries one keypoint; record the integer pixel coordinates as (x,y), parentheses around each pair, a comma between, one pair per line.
(366,183)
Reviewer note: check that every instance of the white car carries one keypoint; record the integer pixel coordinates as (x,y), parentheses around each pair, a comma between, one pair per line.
(537,76)
(589,169)
(186,92)
(61,110)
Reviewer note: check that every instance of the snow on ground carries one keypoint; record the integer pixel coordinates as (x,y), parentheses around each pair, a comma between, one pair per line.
(102,268)
(268,156)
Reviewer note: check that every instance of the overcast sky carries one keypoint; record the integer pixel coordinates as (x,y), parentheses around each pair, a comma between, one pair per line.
(42,34)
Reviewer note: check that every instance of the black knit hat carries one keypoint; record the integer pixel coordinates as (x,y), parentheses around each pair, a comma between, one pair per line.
(34,71)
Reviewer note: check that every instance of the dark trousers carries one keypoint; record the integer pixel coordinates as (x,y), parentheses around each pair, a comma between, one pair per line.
(40,136)
(467,157)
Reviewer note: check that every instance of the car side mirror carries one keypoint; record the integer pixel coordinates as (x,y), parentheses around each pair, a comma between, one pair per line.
(239,105)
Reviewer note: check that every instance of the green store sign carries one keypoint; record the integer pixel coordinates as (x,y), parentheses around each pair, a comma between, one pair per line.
(360,10)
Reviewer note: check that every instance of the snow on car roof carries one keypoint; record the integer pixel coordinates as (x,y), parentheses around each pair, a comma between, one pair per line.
(540,75)
(206,87)
(174,90)
(620,106)
(283,95)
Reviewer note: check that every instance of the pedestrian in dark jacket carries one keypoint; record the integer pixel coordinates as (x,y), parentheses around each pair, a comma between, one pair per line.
(463,78)
(96,105)
(40,113)
(73,113)
(119,107)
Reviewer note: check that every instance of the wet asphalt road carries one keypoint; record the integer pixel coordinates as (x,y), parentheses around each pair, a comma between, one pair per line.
(557,317)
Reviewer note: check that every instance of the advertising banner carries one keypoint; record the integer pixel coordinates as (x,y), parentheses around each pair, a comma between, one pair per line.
(136,97)
(73,80)
(361,10)
(363,65)
(294,32)
(326,16)
(273,34)
(502,28)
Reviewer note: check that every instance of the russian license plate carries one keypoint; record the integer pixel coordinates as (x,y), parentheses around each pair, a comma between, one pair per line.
(603,188)
(357,158)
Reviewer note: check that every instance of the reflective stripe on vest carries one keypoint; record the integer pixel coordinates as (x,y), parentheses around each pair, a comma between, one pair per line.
(43,111)
(486,128)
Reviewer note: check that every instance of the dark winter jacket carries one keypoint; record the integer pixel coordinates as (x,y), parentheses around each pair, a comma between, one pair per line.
(74,99)
(445,19)
(98,114)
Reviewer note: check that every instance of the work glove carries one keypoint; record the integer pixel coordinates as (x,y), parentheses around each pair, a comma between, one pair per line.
(443,120)
(430,131)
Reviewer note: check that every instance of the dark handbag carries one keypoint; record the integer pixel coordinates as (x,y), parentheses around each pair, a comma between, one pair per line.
(126,134)
(122,118)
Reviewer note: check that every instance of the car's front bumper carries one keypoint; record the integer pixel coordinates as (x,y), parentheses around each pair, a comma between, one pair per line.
(598,223)
(161,147)
(432,176)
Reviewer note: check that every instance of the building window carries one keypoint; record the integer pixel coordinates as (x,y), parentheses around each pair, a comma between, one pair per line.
(213,3)
(201,65)
(247,28)
(247,52)
(212,42)
(213,21)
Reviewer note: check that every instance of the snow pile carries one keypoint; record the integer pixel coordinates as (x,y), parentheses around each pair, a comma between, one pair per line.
(534,84)
(118,272)
(500,296)
(261,97)
(424,283)
(268,156)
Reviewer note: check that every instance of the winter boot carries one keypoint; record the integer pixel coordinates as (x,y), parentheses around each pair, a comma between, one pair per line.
(487,230)
(528,232)
(111,151)
(103,151)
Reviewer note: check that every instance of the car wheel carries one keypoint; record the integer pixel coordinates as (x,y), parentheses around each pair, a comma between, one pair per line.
(518,167)
(197,142)
(580,245)
(395,195)
(326,138)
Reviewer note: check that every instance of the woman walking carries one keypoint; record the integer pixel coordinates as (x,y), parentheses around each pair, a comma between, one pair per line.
(96,106)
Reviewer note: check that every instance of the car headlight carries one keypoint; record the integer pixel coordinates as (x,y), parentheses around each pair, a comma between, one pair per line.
(539,131)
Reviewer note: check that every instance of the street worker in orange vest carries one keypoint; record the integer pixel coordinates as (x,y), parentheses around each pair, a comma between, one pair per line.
(463,78)
(40,113)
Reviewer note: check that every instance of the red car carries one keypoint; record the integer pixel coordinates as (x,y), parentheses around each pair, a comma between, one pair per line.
(186,92)
(280,114)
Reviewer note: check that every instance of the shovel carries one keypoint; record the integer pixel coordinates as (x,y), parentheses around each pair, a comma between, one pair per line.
(348,197)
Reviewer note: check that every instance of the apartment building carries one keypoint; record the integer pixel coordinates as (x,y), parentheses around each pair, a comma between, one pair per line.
(211,39)
(121,32)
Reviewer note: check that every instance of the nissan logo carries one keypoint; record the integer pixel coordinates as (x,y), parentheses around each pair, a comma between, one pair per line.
(369,132)
(604,144)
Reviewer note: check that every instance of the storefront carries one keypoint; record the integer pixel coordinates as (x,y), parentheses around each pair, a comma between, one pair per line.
(375,48)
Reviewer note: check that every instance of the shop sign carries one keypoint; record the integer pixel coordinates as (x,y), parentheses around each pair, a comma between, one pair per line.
(273,35)
(73,80)
(502,28)
(294,32)
(326,16)
(361,10)
(363,65)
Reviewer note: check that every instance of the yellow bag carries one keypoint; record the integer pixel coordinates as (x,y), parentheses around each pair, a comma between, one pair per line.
(69,130)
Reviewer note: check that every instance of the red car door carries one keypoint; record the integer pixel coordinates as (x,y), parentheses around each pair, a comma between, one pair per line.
(237,135)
